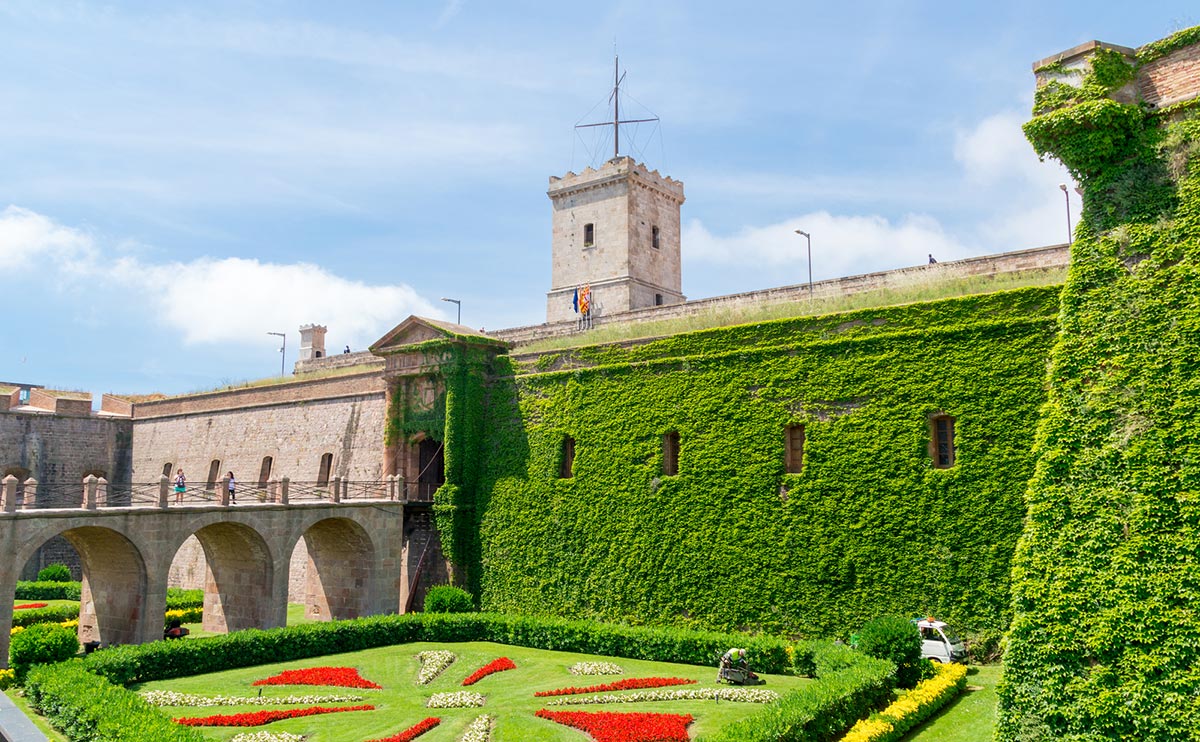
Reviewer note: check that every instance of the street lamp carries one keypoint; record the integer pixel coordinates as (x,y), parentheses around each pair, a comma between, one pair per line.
(282,349)
(808,237)
(459,303)
(1070,233)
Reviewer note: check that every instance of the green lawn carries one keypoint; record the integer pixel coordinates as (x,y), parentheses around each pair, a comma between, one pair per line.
(401,702)
(969,718)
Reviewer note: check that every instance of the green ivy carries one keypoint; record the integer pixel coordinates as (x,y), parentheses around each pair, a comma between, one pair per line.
(1105,639)
(733,541)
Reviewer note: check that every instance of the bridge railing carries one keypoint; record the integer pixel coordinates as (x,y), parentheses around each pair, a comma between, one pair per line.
(96,492)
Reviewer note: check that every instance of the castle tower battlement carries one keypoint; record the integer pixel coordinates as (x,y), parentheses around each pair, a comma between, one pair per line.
(616,229)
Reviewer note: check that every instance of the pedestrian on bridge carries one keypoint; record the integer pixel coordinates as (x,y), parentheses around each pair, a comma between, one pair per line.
(232,496)
(180,486)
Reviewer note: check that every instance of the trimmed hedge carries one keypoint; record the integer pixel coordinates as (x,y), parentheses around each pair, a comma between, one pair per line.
(29,590)
(448,599)
(85,706)
(850,684)
(912,708)
(44,643)
(896,639)
(179,599)
(161,660)
(49,614)
(54,573)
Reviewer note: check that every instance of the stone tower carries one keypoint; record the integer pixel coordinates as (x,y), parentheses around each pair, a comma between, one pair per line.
(312,342)
(616,229)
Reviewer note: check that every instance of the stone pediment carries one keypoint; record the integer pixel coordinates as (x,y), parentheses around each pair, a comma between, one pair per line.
(417,330)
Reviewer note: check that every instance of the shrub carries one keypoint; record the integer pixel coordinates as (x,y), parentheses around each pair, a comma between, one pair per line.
(87,707)
(7,678)
(54,573)
(179,599)
(43,643)
(448,599)
(27,590)
(912,708)
(49,614)
(183,615)
(896,639)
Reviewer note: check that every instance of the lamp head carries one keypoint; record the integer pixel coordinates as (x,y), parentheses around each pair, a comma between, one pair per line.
(1062,187)
(802,233)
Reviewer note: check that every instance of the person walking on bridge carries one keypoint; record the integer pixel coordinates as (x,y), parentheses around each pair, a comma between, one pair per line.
(180,486)
(232,484)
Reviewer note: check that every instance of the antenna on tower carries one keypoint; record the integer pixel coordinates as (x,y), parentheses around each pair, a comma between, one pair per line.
(615,99)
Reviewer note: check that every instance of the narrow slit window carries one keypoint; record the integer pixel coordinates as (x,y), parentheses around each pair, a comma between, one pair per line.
(670,464)
(589,235)
(264,474)
(795,448)
(566,467)
(214,470)
(942,441)
(323,471)
(654,237)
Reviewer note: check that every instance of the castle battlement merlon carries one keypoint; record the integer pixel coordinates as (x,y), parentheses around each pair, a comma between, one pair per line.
(611,171)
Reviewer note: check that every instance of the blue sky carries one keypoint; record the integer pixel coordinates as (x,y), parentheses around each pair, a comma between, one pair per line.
(177,180)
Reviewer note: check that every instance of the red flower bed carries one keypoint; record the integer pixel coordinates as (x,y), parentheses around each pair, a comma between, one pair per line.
(416,730)
(258,718)
(499,665)
(342,677)
(626,684)
(606,726)
(29,605)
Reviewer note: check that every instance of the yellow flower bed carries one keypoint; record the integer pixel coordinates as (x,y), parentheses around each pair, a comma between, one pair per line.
(7,677)
(912,708)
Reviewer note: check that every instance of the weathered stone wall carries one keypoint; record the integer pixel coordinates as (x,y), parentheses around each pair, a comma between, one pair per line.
(59,450)
(1171,79)
(294,424)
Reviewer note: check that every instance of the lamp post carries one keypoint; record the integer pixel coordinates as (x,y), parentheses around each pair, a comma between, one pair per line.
(1070,232)
(459,303)
(808,237)
(282,349)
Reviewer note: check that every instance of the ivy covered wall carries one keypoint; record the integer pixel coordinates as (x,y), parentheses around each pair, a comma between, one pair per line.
(1105,642)
(869,526)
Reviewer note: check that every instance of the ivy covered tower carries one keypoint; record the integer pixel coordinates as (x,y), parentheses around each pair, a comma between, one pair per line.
(615,229)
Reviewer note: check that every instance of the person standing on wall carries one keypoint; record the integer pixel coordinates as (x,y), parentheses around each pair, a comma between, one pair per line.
(232,483)
(180,487)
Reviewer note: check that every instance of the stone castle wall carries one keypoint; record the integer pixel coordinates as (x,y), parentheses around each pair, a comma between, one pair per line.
(60,450)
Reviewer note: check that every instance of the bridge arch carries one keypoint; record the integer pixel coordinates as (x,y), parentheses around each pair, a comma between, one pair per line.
(112,605)
(239,582)
(340,577)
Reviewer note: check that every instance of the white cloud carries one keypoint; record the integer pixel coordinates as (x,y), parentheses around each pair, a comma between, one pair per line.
(995,150)
(847,245)
(211,301)
(26,235)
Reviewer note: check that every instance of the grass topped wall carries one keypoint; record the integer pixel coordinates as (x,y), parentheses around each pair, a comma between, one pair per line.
(868,526)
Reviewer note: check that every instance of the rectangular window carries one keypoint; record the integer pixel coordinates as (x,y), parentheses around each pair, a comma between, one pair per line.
(654,237)
(566,467)
(589,235)
(670,465)
(323,470)
(658,300)
(942,442)
(795,448)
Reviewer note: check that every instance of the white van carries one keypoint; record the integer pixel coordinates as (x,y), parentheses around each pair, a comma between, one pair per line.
(938,642)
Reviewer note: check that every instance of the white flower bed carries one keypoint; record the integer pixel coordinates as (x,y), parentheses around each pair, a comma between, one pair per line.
(458,700)
(433,663)
(740,695)
(479,730)
(595,668)
(267,737)
(171,698)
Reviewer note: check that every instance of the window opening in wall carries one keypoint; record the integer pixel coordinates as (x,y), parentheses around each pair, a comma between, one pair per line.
(264,474)
(670,465)
(941,441)
(323,471)
(654,237)
(566,467)
(795,448)
(167,469)
(214,470)
(589,235)
(658,300)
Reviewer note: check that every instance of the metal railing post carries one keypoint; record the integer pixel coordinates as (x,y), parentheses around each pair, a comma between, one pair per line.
(31,486)
(283,490)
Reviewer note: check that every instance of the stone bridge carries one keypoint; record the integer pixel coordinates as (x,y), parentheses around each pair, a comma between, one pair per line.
(354,548)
